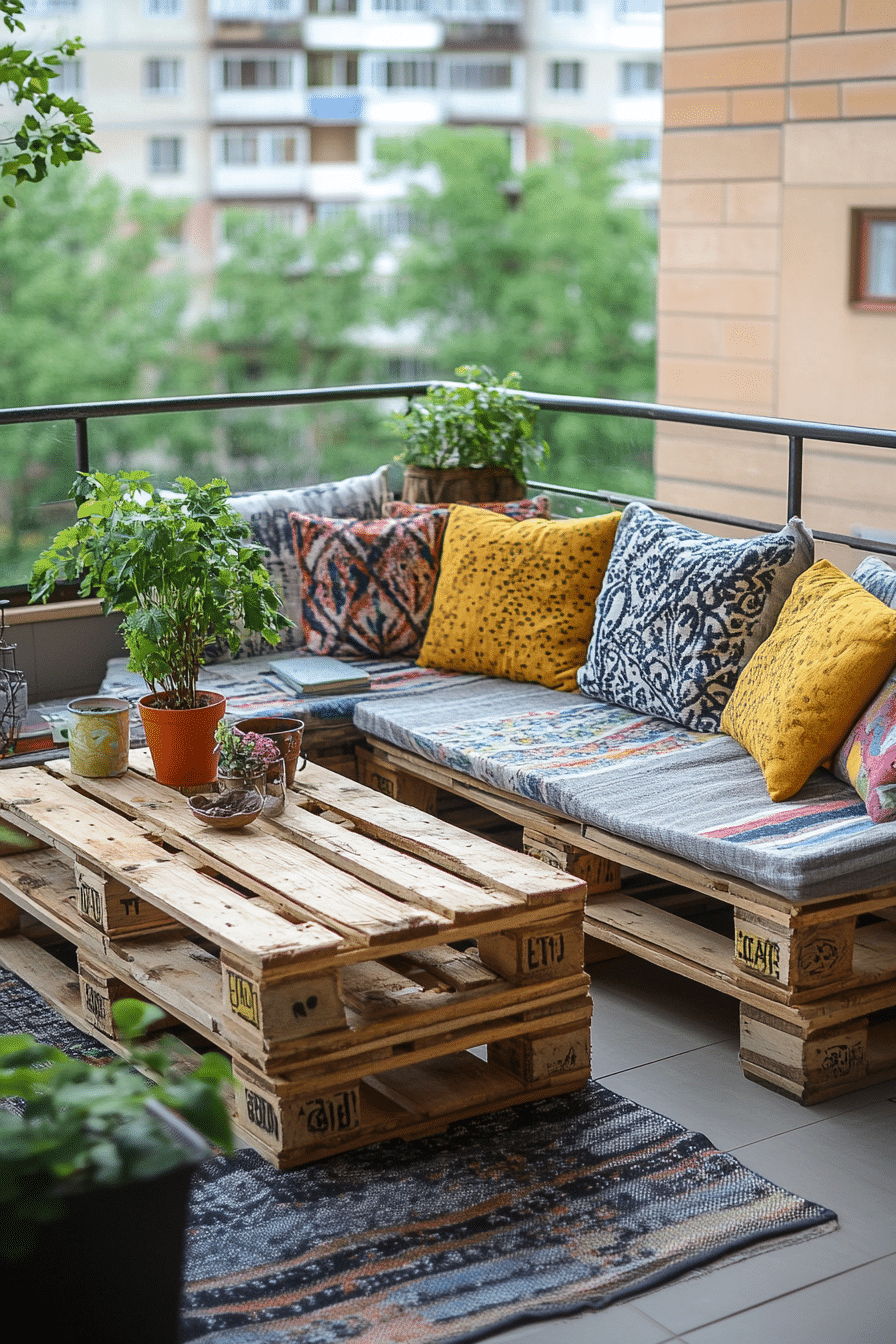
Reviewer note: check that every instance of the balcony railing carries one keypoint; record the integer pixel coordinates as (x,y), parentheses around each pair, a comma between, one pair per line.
(795,432)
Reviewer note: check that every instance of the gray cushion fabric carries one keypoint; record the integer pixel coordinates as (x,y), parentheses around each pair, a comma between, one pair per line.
(267,512)
(681,612)
(699,796)
(878,578)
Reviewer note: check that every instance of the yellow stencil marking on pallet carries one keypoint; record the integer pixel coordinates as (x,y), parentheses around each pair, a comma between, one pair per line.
(760,954)
(243,998)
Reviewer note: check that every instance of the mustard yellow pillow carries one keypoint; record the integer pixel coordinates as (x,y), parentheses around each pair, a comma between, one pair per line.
(803,689)
(516,599)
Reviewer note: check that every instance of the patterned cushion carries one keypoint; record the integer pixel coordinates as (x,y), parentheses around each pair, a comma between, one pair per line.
(368,584)
(867,759)
(879,578)
(516,599)
(539,507)
(681,613)
(827,656)
(267,512)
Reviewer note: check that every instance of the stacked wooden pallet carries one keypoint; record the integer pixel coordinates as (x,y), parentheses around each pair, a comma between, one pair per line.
(816,981)
(349,956)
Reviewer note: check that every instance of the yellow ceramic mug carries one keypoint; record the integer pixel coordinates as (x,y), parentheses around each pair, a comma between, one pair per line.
(99,736)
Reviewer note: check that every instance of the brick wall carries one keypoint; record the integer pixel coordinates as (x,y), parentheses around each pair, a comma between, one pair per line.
(780,119)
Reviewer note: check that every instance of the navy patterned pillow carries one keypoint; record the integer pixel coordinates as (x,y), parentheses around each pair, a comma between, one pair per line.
(878,578)
(267,513)
(681,613)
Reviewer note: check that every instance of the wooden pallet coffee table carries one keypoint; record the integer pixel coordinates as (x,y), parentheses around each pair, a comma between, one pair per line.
(352,956)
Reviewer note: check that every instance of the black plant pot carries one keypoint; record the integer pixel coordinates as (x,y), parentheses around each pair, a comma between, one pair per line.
(110,1272)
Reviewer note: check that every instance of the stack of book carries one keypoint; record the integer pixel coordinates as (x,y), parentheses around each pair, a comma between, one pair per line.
(318,674)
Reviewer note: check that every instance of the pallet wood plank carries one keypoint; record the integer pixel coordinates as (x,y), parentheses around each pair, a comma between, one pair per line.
(440,843)
(263,860)
(84,829)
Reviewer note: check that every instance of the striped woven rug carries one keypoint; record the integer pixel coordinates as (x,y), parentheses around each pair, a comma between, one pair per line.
(528,1213)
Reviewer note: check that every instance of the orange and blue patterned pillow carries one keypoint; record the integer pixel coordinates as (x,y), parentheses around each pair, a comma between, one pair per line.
(867,758)
(367,584)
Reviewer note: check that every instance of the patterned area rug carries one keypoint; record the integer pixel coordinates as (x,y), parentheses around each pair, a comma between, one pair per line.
(532,1212)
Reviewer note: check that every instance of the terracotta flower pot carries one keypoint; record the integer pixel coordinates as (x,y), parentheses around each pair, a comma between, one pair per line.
(459,485)
(182,741)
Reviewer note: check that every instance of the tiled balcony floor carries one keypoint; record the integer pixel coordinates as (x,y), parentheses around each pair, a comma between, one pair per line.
(672,1045)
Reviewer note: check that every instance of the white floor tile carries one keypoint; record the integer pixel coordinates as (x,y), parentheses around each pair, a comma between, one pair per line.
(858,1307)
(618,1324)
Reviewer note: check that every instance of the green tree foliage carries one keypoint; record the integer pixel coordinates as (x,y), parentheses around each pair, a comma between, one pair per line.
(546,274)
(291,312)
(54,130)
(85,314)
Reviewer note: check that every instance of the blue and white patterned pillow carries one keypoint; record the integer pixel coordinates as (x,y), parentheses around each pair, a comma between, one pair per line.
(878,578)
(267,512)
(681,613)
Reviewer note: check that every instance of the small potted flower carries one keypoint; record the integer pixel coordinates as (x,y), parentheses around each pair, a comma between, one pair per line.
(251,761)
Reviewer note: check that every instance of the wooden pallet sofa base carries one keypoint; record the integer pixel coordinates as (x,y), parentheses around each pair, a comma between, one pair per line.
(371,974)
(816,981)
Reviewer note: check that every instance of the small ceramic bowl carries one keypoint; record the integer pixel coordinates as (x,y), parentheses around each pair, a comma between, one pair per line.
(228,809)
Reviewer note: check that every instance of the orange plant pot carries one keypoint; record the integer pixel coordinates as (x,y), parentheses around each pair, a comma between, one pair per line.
(182,741)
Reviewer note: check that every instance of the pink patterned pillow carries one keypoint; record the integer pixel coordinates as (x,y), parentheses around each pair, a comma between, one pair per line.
(367,584)
(867,758)
(539,507)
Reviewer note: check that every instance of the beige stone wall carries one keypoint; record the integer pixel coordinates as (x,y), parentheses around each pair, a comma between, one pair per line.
(780,119)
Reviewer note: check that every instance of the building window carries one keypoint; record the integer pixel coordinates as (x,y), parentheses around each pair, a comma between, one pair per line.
(327,212)
(283,147)
(567,6)
(165,154)
(636,11)
(566,76)
(162,76)
(395,219)
(69,78)
(405,73)
(332,70)
(401,6)
(246,149)
(640,77)
(332,6)
(256,74)
(333,144)
(51,6)
(164,8)
(480,75)
(644,156)
(240,147)
(874,260)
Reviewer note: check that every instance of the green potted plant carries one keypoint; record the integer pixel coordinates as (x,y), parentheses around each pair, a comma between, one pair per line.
(95,1170)
(475,442)
(183,569)
(251,760)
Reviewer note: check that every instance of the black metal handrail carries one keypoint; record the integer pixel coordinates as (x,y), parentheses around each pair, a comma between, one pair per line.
(795,431)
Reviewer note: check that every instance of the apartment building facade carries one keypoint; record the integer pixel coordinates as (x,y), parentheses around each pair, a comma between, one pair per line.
(278,104)
(777,276)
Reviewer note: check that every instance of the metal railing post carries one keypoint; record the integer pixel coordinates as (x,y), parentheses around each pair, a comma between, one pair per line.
(795,476)
(81,449)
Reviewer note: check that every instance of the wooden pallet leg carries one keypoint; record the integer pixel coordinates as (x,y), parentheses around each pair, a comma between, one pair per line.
(283,1121)
(803,956)
(600,874)
(545,1054)
(113,907)
(99,990)
(541,952)
(281,1003)
(395,782)
(806,1063)
(9,916)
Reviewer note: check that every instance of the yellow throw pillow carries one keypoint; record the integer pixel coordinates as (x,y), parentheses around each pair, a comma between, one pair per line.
(516,599)
(830,651)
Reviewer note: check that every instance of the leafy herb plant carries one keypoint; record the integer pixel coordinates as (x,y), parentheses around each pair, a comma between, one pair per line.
(182,568)
(483,423)
(85,1125)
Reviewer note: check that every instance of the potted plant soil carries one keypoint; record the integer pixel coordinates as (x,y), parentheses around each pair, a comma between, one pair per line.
(95,1171)
(183,570)
(473,443)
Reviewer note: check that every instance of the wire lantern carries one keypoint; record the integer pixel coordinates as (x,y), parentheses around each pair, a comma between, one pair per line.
(13,691)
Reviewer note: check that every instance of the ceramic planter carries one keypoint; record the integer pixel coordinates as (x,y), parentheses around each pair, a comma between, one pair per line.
(286,735)
(458,485)
(182,741)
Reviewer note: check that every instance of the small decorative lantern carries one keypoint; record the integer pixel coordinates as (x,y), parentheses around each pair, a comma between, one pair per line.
(13,690)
